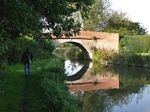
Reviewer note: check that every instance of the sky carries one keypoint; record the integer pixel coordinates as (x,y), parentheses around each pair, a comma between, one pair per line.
(137,10)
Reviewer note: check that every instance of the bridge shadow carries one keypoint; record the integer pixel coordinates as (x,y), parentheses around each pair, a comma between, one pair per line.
(80,73)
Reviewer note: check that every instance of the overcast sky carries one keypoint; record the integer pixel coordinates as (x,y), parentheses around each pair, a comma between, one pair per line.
(137,10)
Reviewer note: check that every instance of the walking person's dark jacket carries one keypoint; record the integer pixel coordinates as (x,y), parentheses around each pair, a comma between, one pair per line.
(26,57)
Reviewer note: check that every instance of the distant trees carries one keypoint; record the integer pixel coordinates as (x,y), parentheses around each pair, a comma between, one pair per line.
(102,18)
(118,22)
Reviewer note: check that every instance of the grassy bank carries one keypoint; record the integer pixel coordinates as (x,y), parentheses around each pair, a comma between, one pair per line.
(131,60)
(43,91)
(126,59)
(133,51)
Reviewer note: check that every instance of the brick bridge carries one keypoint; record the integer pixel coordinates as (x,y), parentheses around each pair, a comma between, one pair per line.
(86,40)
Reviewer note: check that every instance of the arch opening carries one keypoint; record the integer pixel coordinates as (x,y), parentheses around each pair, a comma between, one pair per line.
(85,52)
(77,75)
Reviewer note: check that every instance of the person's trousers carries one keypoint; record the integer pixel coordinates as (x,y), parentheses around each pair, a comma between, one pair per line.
(27,69)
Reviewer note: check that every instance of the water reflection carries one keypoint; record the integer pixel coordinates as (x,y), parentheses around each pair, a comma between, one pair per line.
(77,70)
(72,68)
(116,101)
(137,102)
(112,89)
(90,82)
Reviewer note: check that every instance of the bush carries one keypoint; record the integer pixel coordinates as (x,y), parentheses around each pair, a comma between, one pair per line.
(57,98)
(102,55)
(5,46)
(131,60)
(40,48)
(135,44)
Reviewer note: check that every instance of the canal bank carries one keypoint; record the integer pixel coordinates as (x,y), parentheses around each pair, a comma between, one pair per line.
(43,91)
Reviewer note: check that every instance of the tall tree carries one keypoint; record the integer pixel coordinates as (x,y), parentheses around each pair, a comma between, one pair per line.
(22,17)
(98,15)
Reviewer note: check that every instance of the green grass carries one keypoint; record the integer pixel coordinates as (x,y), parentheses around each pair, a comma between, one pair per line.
(11,96)
(15,84)
(43,91)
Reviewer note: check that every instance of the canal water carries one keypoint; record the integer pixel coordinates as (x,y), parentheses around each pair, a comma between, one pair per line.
(109,88)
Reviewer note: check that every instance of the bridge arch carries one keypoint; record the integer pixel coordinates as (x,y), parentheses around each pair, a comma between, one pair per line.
(86,51)
(87,40)
(83,49)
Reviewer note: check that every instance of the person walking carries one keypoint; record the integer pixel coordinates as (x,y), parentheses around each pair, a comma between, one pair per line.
(26,59)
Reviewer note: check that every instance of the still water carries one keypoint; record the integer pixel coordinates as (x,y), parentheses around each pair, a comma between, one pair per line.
(109,88)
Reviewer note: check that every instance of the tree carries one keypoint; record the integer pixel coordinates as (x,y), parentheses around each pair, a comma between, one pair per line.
(118,22)
(102,18)
(22,17)
(98,15)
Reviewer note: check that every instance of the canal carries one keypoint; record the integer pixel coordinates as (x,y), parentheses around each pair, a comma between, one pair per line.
(101,88)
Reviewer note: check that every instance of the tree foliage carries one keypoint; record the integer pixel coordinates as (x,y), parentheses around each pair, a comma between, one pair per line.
(118,22)
(102,18)
(23,17)
(97,16)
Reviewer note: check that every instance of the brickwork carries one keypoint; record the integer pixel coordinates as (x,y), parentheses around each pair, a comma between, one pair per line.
(90,39)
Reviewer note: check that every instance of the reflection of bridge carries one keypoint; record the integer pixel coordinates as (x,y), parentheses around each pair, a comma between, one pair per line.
(109,84)
(87,40)
(89,82)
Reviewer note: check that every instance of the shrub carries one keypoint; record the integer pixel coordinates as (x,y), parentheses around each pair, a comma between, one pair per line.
(102,55)
(57,98)
(135,44)
(131,60)
(41,49)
